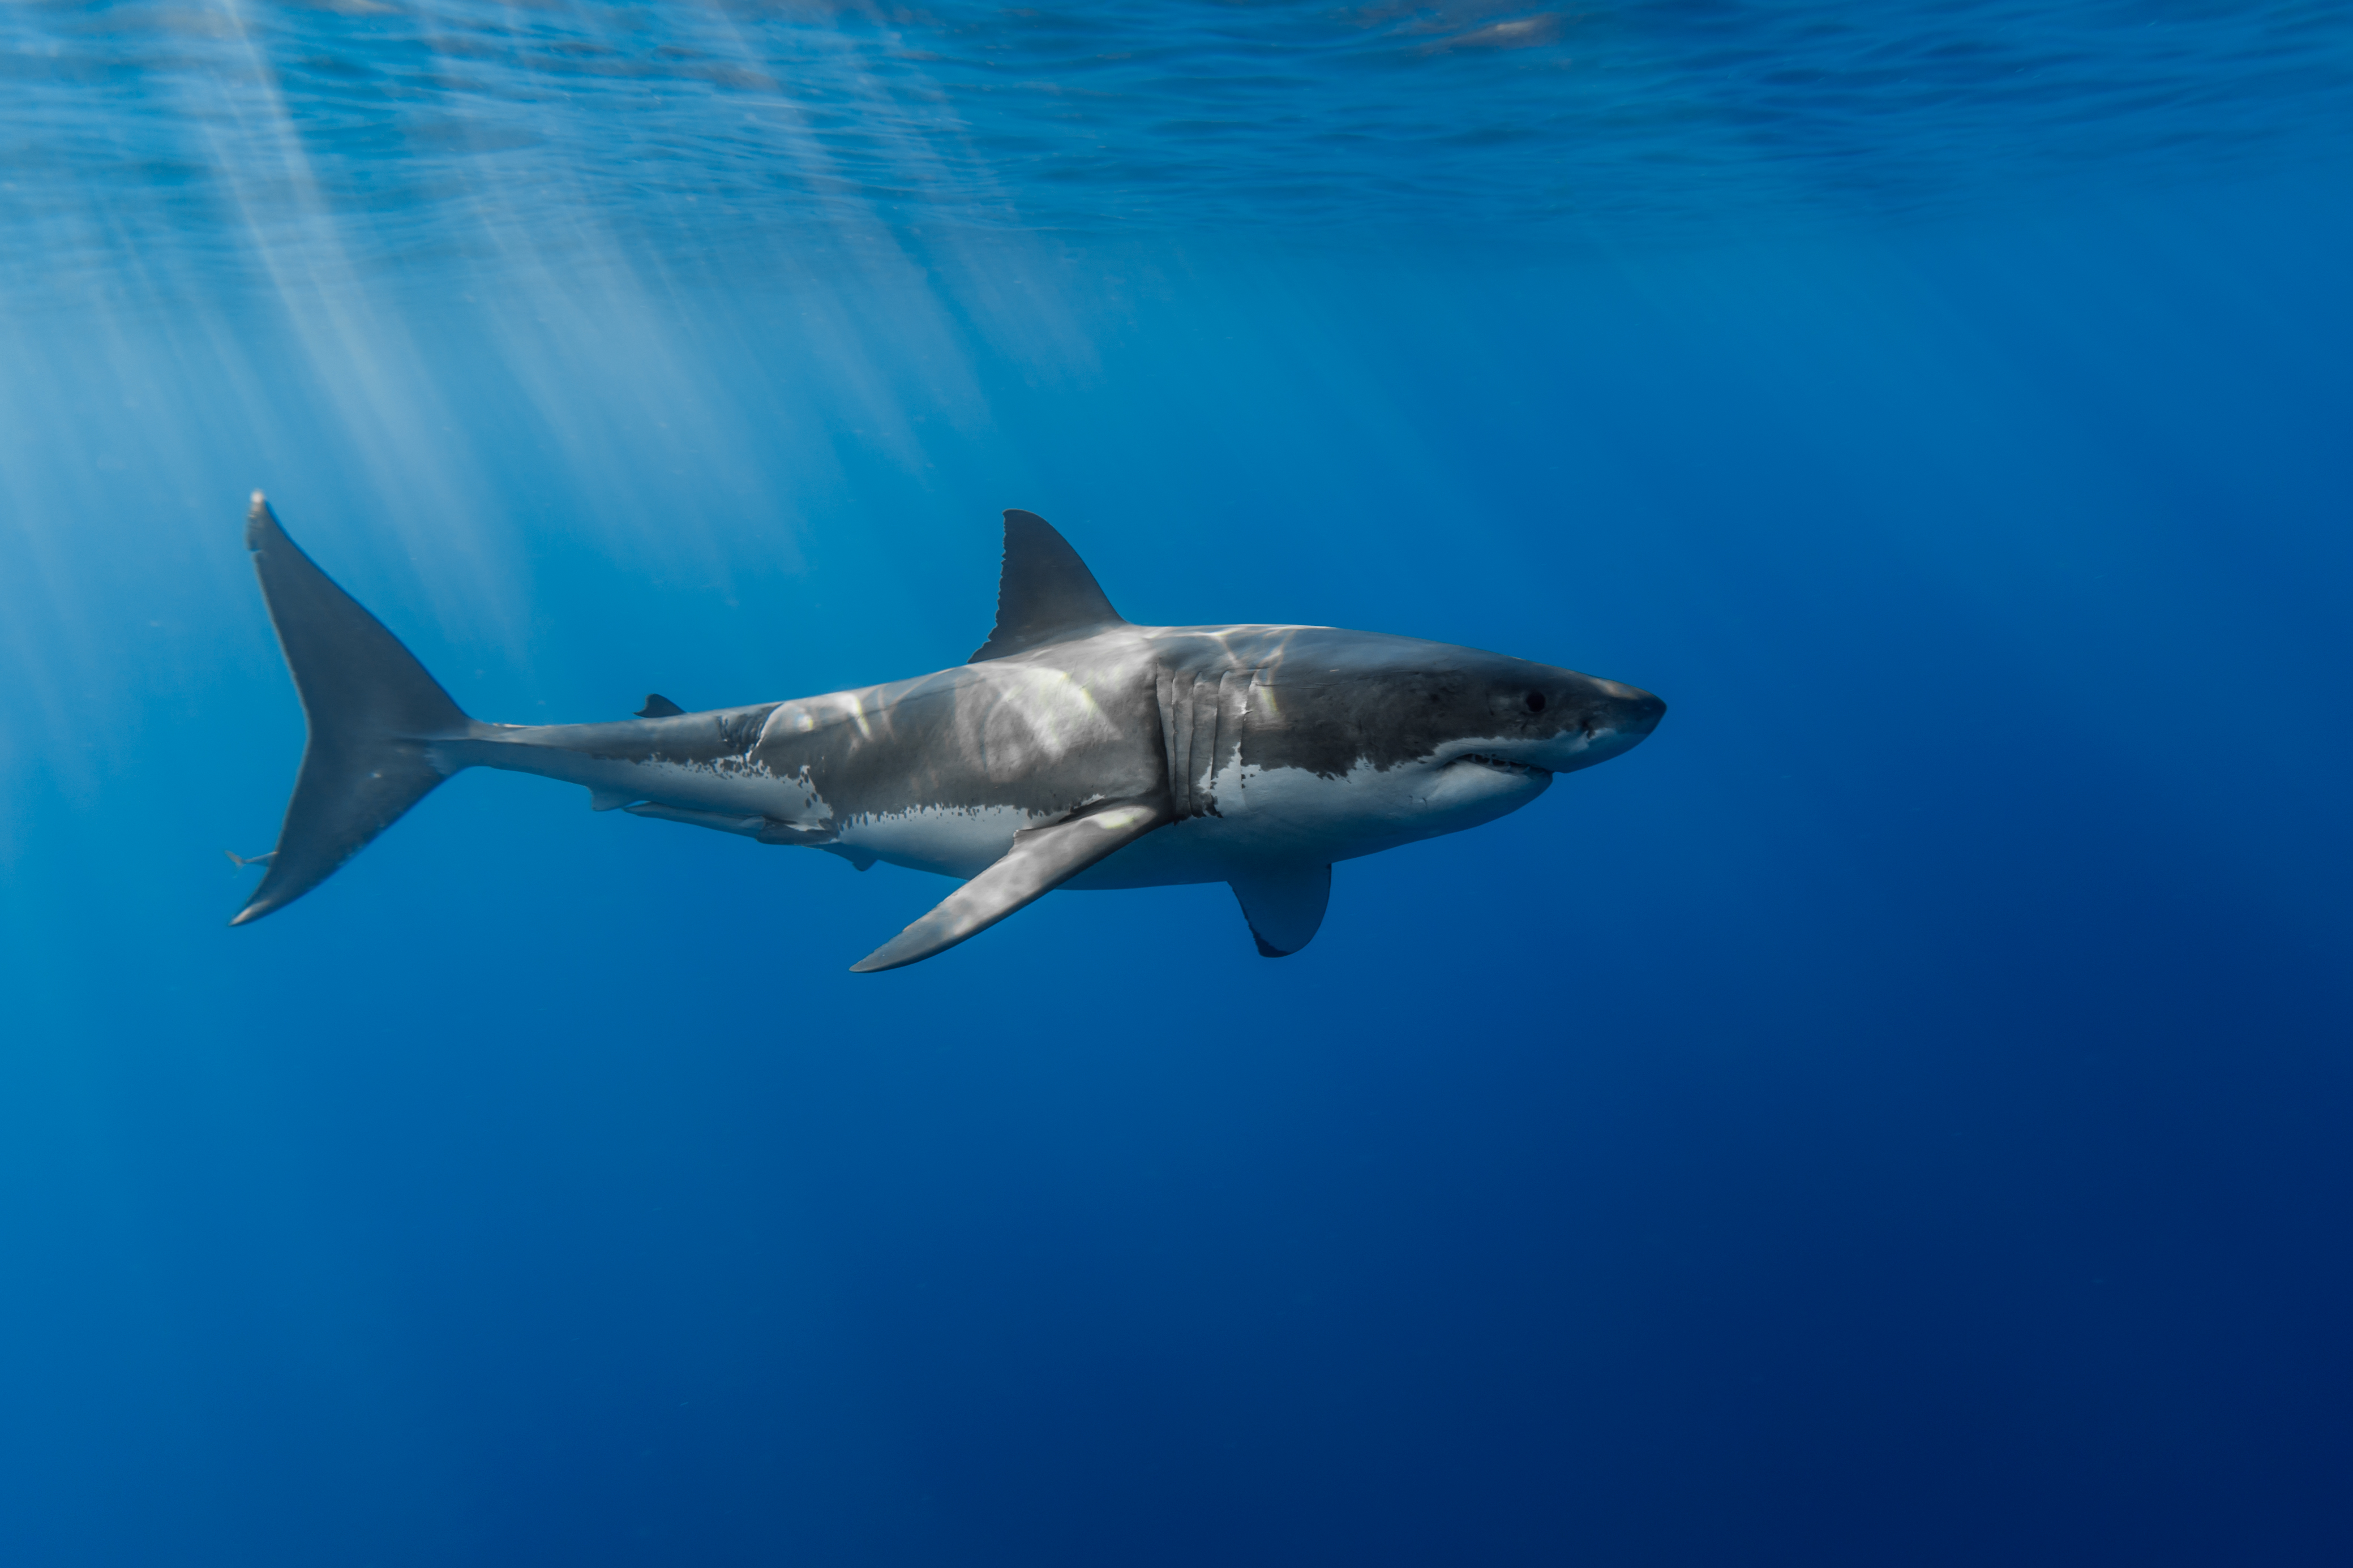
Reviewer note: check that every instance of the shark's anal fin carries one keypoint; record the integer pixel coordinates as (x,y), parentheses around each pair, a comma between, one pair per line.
(1284,905)
(1045,594)
(658,707)
(1041,859)
(608,799)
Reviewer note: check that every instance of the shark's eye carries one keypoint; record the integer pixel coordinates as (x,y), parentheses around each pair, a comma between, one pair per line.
(1535,701)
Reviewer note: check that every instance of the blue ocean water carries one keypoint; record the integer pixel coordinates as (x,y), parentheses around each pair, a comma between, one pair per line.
(1899,1114)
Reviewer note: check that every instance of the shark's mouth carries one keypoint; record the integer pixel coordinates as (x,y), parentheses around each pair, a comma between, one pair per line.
(1500,765)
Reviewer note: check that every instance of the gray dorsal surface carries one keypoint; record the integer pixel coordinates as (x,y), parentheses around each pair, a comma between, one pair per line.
(1045,594)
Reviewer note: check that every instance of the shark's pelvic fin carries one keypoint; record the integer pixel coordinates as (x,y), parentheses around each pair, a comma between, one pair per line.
(373,715)
(766,829)
(1045,594)
(245,860)
(1284,905)
(658,707)
(1041,859)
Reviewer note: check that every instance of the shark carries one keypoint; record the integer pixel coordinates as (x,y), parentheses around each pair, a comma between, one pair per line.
(1074,750)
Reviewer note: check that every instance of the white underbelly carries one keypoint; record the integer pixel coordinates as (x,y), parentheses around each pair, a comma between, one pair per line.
(953,841)
(1289,815)
(1266,816)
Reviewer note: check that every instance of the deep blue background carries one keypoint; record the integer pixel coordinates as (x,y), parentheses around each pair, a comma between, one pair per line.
(1897,1115)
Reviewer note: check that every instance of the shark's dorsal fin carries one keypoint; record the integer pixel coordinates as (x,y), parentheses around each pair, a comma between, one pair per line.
(658,707)
(1045,595)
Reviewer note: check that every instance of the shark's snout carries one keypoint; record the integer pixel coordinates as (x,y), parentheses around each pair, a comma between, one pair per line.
(1634,712)
(1614,719)
(1576,722)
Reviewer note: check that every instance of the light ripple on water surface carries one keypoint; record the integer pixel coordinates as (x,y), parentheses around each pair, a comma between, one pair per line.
(412,131)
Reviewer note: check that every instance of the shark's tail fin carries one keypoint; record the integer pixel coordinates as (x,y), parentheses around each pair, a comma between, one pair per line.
(374,714)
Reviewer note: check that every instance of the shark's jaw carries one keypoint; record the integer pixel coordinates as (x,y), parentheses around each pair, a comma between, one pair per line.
(1559,754)
(1499,763)
(1474,786)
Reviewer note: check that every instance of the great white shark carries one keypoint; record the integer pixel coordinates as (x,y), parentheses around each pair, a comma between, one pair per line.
(1075,750)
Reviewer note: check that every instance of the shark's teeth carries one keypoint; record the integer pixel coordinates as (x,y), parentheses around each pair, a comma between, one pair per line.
(1501,765)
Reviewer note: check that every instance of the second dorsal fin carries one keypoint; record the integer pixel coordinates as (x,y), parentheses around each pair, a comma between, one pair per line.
(1046,594)
(658,707)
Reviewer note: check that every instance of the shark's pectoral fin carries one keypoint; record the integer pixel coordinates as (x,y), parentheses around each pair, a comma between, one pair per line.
(1041,859)
(1284,905)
